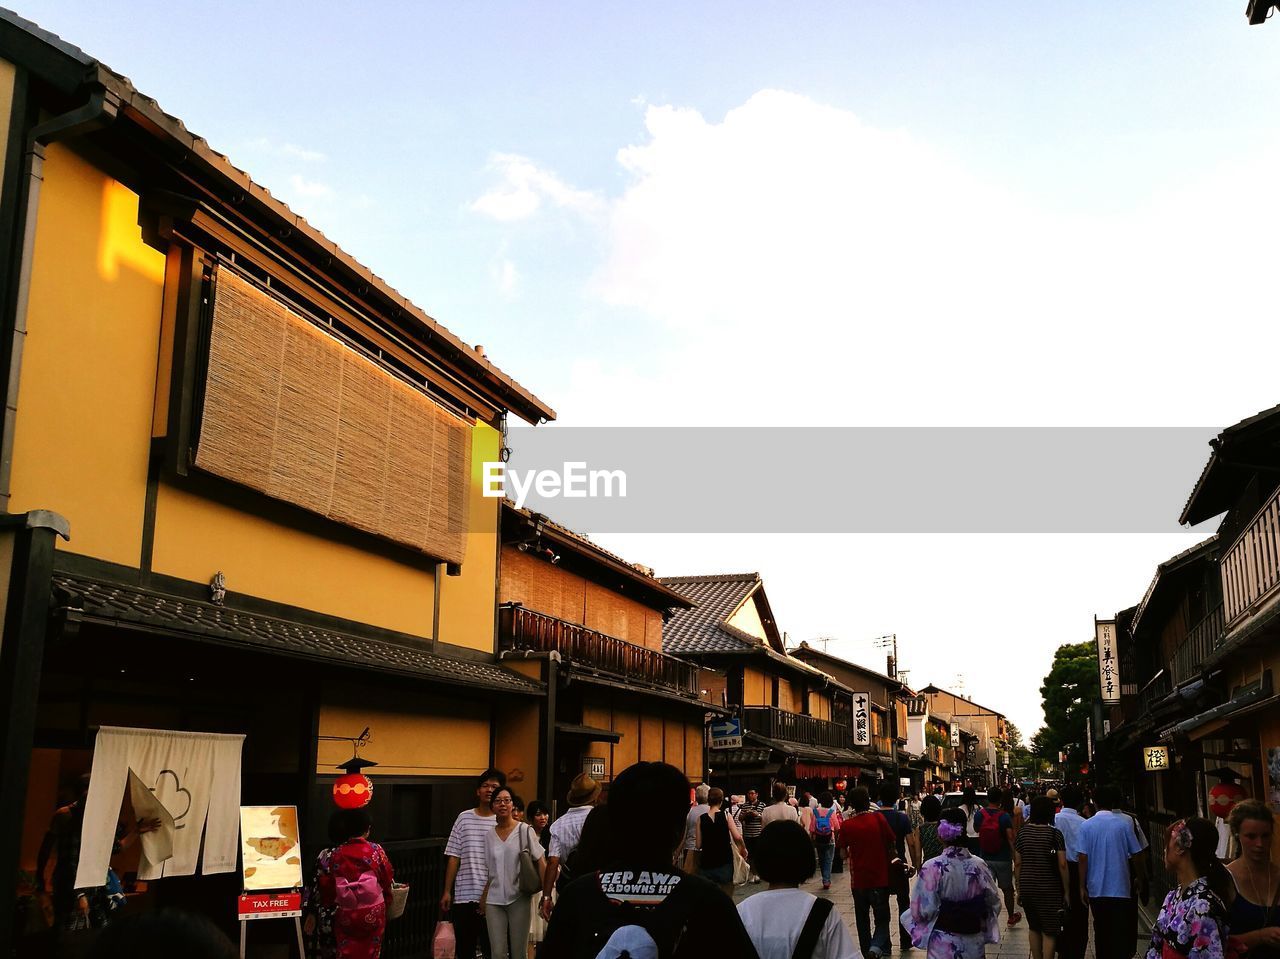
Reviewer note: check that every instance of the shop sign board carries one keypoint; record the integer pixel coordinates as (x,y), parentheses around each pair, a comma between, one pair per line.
(726,733)
(270,905)
(1155,758)
(269,853)
(593,766)
(1108,663)
(861,719)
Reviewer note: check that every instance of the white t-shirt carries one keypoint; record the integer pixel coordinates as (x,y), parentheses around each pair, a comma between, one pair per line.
(468,841)
(776,811)
(503,862)
(773,919)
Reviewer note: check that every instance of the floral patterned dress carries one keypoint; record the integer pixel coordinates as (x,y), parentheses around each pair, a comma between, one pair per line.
(358,932)
(1191,924)
(955,906)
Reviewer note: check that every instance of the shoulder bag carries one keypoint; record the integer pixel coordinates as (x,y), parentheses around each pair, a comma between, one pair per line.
(529,880)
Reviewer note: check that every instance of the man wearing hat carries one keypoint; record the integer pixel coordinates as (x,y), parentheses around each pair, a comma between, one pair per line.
(584,793)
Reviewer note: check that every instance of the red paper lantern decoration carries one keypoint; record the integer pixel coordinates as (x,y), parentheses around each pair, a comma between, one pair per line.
(354,789)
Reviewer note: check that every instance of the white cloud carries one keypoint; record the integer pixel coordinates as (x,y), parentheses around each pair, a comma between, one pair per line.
(799,263)
(523,189)
(310,189)
(287,151)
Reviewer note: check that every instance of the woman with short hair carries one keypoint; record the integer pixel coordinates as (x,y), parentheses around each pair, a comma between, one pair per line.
(778,918)
(506,908)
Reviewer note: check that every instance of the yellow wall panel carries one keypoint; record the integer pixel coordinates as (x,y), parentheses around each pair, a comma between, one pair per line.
(694,740)
(89,361)
(756,688)
(7,74)
(443,737)
(651,738)
(196,537)
(468,603)
(748,620)
(517,721)
(674,739)
(627,750)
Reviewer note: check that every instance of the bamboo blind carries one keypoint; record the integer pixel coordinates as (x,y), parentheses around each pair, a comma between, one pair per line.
(293,413)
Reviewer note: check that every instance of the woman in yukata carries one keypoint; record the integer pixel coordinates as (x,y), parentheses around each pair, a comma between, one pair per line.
(1193,920)
(955,904)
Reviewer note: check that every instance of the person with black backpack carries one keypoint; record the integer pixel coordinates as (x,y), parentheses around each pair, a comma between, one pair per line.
(784,921)
(639,903)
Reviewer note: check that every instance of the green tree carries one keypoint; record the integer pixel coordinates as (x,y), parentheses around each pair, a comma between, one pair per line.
(1067,696)
(1014,734)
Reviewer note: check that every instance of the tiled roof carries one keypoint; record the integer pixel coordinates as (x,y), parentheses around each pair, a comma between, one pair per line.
(148,112)
(703,629)
(90,600)
(1210,494)
(1168,566)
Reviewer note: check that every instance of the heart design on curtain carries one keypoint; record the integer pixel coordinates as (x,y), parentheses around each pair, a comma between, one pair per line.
(178,790)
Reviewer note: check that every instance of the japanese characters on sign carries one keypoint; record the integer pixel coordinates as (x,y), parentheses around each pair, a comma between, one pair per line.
(1155,758)
(862,719)
(1108,664)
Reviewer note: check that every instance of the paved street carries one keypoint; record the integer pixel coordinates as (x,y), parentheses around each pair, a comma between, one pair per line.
(1013,943)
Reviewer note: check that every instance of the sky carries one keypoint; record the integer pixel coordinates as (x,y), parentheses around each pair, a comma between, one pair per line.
(978,214)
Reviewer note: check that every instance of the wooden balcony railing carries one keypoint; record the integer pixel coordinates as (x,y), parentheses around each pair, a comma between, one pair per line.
(776,723)
(1200,642)
(521,628)
(1160,686)
(1250,568)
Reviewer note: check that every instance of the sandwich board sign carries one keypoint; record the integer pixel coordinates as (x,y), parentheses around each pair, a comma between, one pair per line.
(726,733)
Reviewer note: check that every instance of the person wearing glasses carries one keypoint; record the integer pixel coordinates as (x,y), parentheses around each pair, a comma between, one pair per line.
(508,911)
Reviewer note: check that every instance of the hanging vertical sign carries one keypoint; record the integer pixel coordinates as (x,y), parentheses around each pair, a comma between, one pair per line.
(861,719)
(1108,664)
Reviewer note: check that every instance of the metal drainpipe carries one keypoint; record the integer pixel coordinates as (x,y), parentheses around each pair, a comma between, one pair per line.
(100,110)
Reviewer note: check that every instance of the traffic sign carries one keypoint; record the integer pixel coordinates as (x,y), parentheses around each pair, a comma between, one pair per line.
(726,733)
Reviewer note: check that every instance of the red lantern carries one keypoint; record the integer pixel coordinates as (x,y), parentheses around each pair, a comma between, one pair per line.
(354,789)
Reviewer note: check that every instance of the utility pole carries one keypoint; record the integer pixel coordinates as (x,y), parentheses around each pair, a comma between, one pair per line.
(891,641)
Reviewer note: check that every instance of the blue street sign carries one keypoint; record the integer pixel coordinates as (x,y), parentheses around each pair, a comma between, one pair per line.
(726,733)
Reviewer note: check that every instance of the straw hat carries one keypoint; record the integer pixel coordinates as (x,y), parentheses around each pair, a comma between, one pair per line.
(583,791)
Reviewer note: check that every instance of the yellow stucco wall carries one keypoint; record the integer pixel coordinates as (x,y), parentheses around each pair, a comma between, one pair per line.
(438,737)
(747,619)
(468,603)
(7,74)
(515,742)
(196,538)
(89,362)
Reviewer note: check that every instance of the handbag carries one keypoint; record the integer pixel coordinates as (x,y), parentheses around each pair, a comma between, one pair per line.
(741,870)
(529,880)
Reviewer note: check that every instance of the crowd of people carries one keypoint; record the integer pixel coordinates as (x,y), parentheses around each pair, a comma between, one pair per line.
(652,872)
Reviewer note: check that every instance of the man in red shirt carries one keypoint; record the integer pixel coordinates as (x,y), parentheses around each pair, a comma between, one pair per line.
(868,844)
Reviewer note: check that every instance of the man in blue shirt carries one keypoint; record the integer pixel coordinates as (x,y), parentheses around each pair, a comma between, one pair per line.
(1074,937)
(907,842)
(1108,851)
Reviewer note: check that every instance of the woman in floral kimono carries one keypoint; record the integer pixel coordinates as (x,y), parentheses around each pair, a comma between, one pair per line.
(354,880)
(1193,920)
(955,904)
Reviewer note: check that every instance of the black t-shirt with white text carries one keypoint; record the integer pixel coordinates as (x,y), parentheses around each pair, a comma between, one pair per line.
(688,917)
